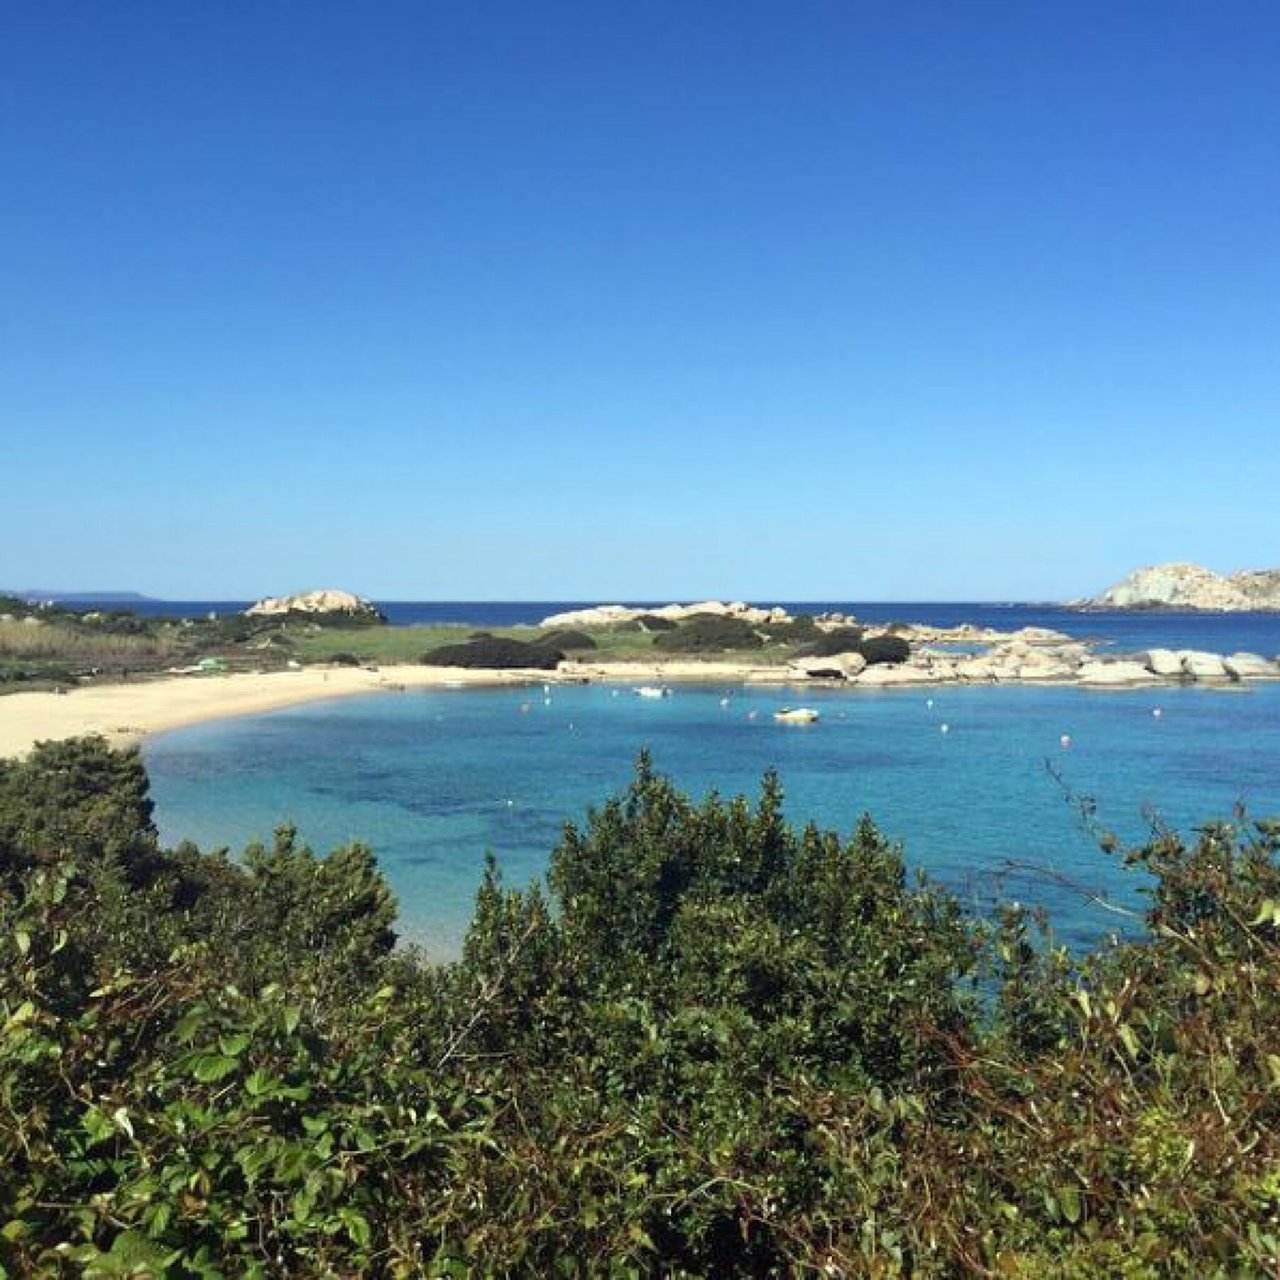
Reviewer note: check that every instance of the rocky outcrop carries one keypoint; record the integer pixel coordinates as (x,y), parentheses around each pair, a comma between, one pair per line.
(839,666)
(1251,666)
(317,603)
(1096,672)
(612,615)
(1191,586)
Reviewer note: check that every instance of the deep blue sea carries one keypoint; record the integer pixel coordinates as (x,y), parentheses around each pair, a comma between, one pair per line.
(434,779)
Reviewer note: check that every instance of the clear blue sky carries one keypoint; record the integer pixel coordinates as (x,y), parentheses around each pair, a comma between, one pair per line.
(650,300)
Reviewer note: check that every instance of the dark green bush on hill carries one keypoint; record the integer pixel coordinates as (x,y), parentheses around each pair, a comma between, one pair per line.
(496,653)
(878,649)
(566,639)
(839,640)
(654,622)
(708,633)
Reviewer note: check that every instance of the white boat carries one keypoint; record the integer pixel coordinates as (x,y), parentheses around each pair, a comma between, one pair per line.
(652,691)
(796,715)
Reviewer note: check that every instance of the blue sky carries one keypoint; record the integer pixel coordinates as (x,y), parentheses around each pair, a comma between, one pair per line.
(645,300)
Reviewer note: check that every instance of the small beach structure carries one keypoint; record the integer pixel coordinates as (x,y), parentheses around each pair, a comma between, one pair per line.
(796,715)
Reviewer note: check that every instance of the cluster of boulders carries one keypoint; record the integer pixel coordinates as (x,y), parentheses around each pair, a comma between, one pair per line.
(612,615)
(1033,656)
(327,603)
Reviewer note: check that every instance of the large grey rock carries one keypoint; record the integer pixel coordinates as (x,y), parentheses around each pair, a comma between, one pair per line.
(1204,666)
(1251,666)
(1165,663)
(839,666)
(1052,670)
(1118,672)
(984,668)
(886,674)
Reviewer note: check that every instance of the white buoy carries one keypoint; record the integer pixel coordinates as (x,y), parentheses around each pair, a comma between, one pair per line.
(510,804)
(946,728)
(1158,712)
(1065,740)
(928,702)
(724,702)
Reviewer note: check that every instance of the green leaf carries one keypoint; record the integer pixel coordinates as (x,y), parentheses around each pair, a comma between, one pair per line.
(234,1046)
(357,1227)
(291,1016)
(213,1066)
(121,1118)
(1069,1202)
(23,939)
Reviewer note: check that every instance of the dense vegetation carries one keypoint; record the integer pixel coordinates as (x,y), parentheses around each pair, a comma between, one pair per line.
(495,653)
(709,633)
(875,649)
(712,1045)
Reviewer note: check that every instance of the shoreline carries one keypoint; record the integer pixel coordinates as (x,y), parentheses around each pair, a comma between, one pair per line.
(125,714)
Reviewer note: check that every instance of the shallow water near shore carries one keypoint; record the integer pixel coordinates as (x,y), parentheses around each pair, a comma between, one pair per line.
(434,779)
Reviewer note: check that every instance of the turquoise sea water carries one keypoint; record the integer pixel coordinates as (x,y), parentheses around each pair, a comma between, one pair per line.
(434,779)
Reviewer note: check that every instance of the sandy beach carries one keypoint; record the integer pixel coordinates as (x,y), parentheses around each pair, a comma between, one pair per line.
(126,713)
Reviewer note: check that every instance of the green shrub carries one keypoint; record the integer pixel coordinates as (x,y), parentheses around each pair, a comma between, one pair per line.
(495,653)
(884,649)
(709,633)
(567,639)
(654,622)
(345,659)
(840,640)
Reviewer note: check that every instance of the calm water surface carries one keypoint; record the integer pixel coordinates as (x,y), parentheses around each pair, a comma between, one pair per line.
(434,779)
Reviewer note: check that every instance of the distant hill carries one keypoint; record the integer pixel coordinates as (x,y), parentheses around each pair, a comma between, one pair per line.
(78,597)
(1191,586)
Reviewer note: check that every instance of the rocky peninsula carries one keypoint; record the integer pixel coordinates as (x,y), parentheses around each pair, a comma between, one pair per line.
(1192,587)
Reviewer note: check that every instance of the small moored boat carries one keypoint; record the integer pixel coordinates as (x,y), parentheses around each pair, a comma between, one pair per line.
(796,715)
(652,691)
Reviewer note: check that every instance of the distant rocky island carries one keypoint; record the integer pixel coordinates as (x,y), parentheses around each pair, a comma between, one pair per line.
(327,604)
(1191,586)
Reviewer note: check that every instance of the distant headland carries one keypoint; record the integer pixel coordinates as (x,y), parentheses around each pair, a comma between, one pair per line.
(78,597)
(1192,587)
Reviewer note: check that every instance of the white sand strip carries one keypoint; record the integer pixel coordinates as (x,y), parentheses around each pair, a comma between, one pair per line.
(125,713)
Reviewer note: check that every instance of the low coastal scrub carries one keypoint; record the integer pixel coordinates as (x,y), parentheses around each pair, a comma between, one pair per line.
(495,653)
(709,633)
(710,1044)
(567,639)
(882,648)
(838,640)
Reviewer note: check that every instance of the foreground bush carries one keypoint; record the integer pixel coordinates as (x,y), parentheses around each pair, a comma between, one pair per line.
(714,1045)
(495,652)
